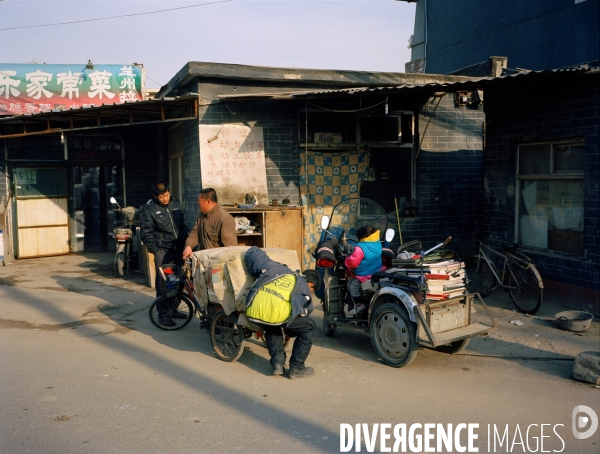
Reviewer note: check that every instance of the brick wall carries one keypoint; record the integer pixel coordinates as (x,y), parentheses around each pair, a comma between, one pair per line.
(191,170)
(449,172)
(279,121)
(144,163)
(564,108)
(449,175)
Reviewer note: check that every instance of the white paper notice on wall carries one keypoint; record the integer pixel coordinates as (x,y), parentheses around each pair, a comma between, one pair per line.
(232,161)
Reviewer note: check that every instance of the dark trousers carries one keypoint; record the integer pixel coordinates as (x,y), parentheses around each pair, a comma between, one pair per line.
(164,256)
(303,329)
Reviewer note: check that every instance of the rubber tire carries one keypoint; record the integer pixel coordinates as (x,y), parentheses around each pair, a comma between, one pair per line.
(120,262)
(328,327)
(393,335)
(529,293)
(482,282)
(454,347)
(226,337)
(185,306)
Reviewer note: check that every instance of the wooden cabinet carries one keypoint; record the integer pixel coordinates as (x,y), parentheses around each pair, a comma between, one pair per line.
(280,227)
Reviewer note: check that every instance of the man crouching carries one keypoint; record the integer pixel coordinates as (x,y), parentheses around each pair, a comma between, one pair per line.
(280,298)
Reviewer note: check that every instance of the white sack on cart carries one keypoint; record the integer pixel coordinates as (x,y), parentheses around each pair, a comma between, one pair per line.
(222,276)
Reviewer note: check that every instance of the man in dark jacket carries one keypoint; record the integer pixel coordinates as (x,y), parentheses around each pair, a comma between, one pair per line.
(280,298)
(164,230)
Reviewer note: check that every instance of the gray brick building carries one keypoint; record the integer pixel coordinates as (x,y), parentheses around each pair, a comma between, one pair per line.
(462,155)
(444,148)
(431,168)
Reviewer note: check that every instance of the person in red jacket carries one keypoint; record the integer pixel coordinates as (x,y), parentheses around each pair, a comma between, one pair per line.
(362,263)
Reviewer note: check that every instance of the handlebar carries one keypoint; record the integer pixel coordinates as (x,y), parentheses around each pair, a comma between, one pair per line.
(186,269)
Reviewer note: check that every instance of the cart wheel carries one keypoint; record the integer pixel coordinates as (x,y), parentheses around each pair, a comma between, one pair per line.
(328,328)
(454,347)
(227,337)
(171,314)
(394,335)
(331,298)
(288,343)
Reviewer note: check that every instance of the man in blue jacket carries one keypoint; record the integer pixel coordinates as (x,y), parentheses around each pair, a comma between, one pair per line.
(280,298)
(164,230)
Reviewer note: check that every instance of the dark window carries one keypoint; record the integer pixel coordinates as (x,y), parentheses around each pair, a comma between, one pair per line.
(389,177)
(550,202)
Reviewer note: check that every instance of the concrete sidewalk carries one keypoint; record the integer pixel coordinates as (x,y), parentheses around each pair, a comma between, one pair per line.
(55,293)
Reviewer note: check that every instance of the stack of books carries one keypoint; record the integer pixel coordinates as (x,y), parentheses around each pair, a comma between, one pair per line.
(445,280)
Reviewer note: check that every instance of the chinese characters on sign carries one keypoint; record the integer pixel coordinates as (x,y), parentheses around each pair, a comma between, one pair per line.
(234,162)
(26,176)
(26,89)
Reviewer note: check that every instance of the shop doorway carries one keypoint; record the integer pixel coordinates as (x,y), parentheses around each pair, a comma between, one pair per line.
(93,217)
(42,216)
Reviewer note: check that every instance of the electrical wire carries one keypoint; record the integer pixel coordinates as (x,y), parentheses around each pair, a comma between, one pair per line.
(427,125)
(114,17)
(523,358)
(348,111)
(148,77)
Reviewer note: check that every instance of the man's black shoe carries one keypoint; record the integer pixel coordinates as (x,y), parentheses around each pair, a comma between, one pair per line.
(166,321)
(301,372)
(278,369)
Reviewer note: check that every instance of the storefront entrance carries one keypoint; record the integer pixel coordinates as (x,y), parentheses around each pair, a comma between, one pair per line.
(42,213)
(92,215)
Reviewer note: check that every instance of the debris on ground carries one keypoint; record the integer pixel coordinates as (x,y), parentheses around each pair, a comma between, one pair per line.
(587,367)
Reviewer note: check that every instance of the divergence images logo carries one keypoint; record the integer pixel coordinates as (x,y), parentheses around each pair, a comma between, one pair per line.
(579,422)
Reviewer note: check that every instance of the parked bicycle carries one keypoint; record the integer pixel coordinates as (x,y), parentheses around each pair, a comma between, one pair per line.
(519,276)
(178,303)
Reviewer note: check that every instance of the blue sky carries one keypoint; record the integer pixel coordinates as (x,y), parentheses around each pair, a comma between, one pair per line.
(366,35)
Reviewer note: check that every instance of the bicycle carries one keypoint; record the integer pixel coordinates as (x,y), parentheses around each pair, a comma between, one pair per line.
(178,303)
(519,276)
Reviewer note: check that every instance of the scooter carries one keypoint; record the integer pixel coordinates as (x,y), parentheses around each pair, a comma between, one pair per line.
(124,238)
(338,237)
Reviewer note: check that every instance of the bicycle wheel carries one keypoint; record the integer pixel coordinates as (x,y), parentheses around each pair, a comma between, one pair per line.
(227,337)
(480,279)
(171,314)
(525,287)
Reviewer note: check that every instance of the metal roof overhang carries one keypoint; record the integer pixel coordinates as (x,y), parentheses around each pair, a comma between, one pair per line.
(105,116)
(365,91)
(429,88)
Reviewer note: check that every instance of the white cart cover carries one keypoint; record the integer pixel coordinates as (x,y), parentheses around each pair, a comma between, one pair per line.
(221,275)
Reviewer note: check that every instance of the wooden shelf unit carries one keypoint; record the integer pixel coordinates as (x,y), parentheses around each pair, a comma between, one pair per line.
(279,227)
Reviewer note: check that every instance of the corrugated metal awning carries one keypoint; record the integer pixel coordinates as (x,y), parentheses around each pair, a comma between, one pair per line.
(473,84)
(100,117)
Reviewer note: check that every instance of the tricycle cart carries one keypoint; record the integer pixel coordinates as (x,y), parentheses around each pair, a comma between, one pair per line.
(401,314)
(213,287)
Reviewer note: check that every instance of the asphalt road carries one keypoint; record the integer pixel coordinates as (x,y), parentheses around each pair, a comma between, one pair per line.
(82,370)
